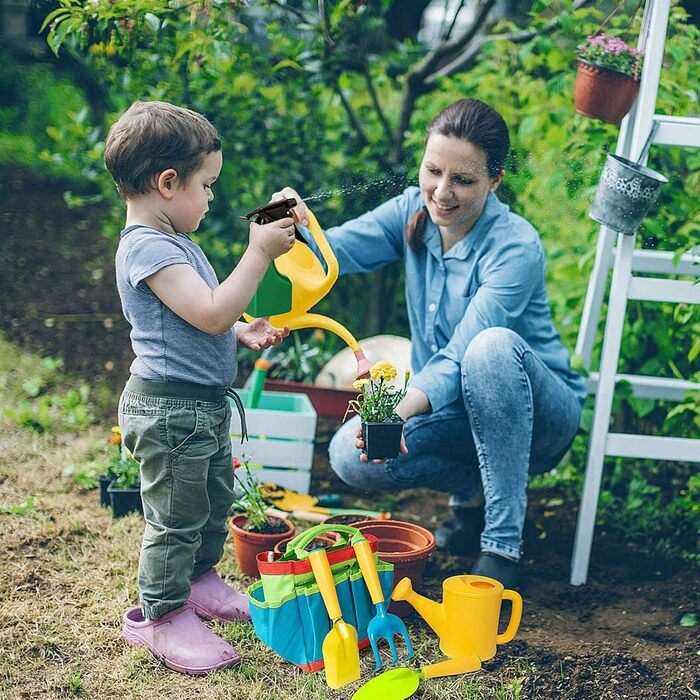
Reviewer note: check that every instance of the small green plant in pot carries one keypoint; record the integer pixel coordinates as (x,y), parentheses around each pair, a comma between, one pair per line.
(253,529)
(124,474)
(376,405)
(607,79)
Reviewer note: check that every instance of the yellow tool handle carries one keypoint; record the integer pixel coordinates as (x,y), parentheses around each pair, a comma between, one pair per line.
(324,247)
(326,584)
(515,614)
(452,667)
(365,559)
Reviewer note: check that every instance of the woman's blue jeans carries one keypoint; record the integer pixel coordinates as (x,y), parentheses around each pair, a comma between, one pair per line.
(517,418)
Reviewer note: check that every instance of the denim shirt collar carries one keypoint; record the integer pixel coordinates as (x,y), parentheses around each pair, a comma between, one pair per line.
(461,250)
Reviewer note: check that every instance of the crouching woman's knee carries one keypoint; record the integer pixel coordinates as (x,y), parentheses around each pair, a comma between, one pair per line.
(345,457)
(491,350)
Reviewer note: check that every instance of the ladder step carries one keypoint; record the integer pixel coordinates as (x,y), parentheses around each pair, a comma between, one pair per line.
(661,262)
(677,131)
(654,289)
(643,387)
(652,447)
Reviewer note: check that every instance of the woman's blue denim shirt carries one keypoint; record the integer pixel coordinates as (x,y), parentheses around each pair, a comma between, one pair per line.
(493,277)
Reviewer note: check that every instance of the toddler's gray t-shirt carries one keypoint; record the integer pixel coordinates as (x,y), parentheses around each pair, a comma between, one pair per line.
(167,348)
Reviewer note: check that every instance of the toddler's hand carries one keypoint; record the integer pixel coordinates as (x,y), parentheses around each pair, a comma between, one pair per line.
(273,239)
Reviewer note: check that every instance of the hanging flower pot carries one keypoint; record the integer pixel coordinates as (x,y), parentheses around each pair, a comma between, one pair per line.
(607,79)
(248,543)
(625,192)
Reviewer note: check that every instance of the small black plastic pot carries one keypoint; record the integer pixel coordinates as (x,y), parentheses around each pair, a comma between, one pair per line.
(382,439)
(125,501)
(104,481)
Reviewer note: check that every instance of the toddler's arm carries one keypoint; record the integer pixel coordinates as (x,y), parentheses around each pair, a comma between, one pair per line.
(214,311)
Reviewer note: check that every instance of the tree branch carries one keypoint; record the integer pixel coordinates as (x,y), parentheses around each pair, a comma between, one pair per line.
(448,33)
(354,121)
(293,10)
(416,80)
(467,57)
(323,20)
(375,102)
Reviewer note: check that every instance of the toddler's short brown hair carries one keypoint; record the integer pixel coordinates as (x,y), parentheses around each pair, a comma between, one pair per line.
(153,136)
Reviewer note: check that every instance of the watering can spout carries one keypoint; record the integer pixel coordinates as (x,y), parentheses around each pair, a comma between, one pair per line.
(433,613)
(363,364)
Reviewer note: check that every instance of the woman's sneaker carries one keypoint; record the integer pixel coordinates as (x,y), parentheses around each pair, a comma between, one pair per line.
(460,533)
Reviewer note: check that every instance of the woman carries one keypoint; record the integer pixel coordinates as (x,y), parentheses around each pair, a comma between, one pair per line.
(493,397)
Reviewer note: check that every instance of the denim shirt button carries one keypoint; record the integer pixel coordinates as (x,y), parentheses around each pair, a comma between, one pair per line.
(434,347)
(431,307)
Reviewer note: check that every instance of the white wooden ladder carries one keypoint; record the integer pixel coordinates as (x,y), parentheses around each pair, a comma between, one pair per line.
(626,260)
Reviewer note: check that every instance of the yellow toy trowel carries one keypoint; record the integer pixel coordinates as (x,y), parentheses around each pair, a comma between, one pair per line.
(296,281)
(293,501)
(341,656)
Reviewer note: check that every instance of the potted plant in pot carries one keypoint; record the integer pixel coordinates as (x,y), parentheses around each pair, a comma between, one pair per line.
(113,457)
(252,528)
(607,79)
(375,404)
(125,489)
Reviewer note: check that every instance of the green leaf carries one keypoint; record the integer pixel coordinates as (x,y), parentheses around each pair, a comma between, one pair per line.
(688,620)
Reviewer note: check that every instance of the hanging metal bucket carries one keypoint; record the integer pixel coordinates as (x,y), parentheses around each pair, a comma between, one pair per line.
(625,192)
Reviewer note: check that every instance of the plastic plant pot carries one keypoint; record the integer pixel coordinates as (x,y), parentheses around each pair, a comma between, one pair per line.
(104,481)
(382,439)
(124,501)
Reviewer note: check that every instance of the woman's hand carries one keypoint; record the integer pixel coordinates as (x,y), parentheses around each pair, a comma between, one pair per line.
(360,443)
(259,334)
(299,210)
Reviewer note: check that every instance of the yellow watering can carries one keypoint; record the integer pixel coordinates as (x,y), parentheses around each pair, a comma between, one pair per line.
(467,620)
(296,281)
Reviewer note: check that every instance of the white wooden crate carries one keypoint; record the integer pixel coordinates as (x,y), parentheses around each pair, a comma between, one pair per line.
(280,445)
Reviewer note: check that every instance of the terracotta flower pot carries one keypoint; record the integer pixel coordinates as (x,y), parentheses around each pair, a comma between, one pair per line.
(603,94)
(382,439)
(249,544)
(406,546)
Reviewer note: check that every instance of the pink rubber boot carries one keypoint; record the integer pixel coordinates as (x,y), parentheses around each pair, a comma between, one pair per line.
(180,640)
(212,598)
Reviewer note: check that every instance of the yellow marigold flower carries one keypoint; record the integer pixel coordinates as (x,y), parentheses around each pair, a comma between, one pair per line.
(359,384)
(117,430)
(382,370)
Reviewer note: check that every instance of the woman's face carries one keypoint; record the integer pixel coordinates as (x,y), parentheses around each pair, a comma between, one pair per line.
(454,182)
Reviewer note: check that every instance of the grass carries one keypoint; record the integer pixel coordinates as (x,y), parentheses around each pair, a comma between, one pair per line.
(69,572)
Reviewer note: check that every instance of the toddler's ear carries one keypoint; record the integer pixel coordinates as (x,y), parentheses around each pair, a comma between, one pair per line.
(165,182)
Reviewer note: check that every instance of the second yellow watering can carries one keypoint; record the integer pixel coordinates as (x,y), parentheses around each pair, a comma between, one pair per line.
(296,281)
(467,619)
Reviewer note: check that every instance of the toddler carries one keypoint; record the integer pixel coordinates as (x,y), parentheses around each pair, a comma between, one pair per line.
(174,413)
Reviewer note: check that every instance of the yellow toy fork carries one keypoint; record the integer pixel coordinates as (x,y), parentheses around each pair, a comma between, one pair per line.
(296,281)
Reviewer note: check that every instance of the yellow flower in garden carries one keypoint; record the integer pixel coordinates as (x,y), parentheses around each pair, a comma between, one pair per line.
(359,384)
(383,370)
(117,430)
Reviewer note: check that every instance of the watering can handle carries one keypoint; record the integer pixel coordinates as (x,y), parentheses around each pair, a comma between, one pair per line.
(515,614)
(323,245)
(368,567)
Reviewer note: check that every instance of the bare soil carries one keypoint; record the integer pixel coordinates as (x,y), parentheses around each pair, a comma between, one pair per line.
(616,637)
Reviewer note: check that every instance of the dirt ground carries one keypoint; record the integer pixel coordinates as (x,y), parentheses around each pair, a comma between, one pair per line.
(617,637)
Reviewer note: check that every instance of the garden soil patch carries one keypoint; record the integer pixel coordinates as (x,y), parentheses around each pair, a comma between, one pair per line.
(617,637)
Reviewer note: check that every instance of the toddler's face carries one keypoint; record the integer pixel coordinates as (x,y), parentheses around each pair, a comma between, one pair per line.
(191,201)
